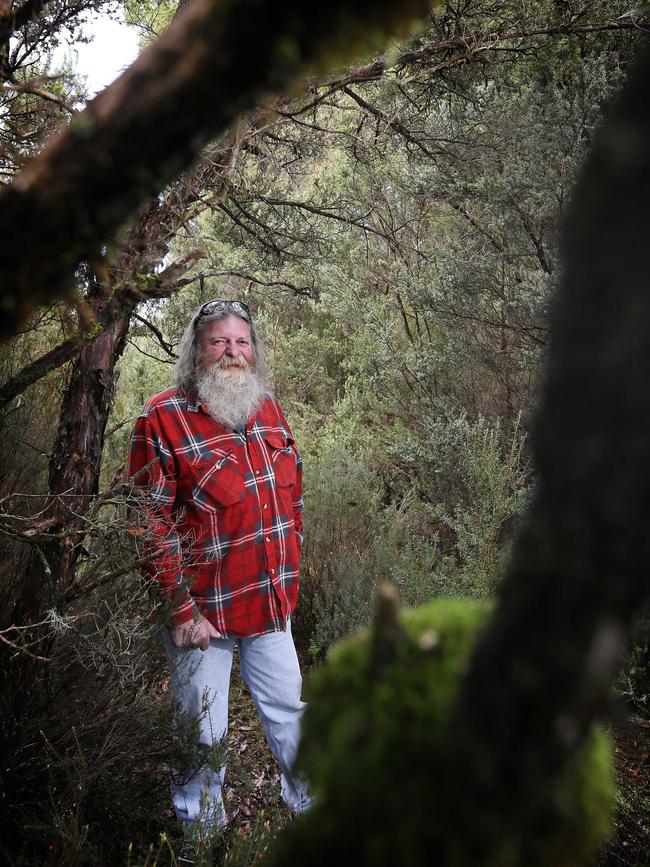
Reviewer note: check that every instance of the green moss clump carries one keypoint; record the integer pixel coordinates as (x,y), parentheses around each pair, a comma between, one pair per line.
(374,751)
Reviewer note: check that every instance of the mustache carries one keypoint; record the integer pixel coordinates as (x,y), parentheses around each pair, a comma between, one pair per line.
(227,361)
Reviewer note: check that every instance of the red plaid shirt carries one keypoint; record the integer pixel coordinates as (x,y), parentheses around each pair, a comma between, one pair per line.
(226,509)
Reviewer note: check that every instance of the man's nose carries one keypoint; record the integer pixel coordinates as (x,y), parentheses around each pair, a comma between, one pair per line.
(232,349)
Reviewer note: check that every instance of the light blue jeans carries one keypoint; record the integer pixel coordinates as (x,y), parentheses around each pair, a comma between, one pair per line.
(200,681)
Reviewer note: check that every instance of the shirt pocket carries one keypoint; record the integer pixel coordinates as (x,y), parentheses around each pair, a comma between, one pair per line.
(216,480)
(283,460)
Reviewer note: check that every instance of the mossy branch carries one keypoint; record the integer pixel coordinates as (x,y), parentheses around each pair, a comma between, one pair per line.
(125,297)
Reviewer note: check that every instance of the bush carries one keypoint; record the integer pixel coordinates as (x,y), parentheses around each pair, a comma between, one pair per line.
(358,536)
(87,748)
(634,681)
(495,484)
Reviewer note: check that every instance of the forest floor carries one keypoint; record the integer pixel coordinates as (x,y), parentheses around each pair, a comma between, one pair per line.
(257,813)
(630,847)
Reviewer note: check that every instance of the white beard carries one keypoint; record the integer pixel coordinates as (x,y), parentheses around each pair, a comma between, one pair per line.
(229,392)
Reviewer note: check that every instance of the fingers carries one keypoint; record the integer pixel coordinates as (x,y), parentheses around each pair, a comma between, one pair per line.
(194,634)
(184,635)
(206,631)
(177,635)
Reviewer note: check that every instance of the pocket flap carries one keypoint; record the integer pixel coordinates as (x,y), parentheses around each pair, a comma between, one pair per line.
(217,481)
(283,459)
(277,441)
(210,457)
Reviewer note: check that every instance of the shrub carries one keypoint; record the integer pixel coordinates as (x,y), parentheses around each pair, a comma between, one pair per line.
(357,536)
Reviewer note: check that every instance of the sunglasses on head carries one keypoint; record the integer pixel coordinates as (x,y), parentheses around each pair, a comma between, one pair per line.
(222,305)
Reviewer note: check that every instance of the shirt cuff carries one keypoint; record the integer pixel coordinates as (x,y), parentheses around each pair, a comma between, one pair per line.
(188,612)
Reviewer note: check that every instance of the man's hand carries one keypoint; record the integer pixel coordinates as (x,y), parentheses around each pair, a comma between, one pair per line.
(194,634)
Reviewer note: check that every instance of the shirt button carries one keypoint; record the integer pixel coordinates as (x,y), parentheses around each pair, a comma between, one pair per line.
(272,571)
(265,505)
(268,539)
(257,472)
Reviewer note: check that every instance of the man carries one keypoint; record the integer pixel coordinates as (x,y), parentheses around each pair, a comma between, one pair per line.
(224,504)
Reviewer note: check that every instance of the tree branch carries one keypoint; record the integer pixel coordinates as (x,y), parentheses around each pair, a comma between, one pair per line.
(154,120)
(33,89)
(328,213)
(31,373)
(467,44)
(126,296)
(157,333)
(391,124)
(301,291)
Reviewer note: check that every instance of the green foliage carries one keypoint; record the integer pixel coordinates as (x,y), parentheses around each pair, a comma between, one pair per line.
(374,751)
(151,17)
(94,746)
(339,566)
(634,681)
(452,538)
(495,495)
(139,379)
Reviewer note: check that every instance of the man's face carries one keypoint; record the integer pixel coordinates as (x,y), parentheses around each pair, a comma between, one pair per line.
(227,339)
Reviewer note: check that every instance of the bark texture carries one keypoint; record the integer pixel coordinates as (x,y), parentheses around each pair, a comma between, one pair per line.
(75,462)
(580,570)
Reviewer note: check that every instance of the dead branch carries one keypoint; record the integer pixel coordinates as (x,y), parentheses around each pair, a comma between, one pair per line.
(157,333)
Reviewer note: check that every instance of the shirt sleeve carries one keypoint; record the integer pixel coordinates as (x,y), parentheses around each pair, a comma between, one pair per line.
(296,494)
(151,466)
(296,499)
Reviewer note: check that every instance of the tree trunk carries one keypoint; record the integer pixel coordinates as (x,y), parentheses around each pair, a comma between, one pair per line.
(74,470)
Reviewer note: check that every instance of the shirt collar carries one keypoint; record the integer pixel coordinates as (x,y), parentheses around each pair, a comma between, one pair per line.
(193,404)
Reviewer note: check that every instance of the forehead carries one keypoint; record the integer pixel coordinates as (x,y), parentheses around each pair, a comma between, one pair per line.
(229,326)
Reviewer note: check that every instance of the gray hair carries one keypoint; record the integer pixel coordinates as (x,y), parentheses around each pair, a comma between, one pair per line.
(189,348)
